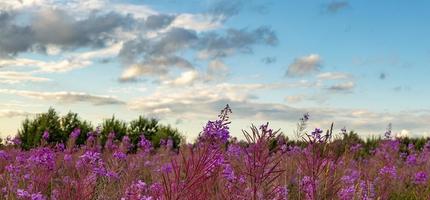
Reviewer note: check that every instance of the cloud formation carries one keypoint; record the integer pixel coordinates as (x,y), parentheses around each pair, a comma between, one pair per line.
(305,65)
(5,113)
(148,43)
(12,77)
(65,97)
(336,6)
(342,87)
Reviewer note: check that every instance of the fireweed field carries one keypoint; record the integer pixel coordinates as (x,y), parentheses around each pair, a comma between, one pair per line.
(323,165)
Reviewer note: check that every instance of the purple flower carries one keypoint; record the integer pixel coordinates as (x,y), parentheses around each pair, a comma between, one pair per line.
(343,131)
(347,193)
(216,131)
(169,144)
(387,133)
(4,155)
(144,144)
(316,135)
(389,171)
(308,186)
(37,196)
(351,177)
(305,117)
(411,159)
(43,157)
(45,135)
(75,133)
(281,193)
(119,155)
(109,142)
(16,141)
(22,193)
(67,157)
(420,178)
(126,143)
(228,173)
(167,168)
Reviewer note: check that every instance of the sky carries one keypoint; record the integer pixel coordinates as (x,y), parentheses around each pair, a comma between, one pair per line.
(360,64)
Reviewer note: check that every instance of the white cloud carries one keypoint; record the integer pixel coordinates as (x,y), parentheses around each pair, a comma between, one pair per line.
(5,113)
(304,65)
(294,98)
(342,87)
(12,77)
(72,62)
(65,97)
(197,22)
(333,76)
(186,78)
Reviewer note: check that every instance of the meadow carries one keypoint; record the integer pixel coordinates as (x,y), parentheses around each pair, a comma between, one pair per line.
(266,165)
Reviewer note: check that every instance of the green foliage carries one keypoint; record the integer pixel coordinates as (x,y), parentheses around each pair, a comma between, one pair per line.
(115,125)
(32,129)
(58,127)
(142,125)
(166,132)
(71,121)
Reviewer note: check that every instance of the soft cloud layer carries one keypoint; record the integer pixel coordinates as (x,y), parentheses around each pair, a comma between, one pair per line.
(65,97)
(13,113)
(12,77)
(305,65)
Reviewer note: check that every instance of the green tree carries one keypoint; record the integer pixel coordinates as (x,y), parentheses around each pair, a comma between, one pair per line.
(115,125)
(32,129)
(71,121)
(142,125)
(167,132)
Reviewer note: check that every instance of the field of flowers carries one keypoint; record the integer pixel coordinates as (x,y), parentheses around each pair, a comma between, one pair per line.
(325,165)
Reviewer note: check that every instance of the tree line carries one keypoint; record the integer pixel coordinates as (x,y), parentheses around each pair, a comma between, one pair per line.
(60,128)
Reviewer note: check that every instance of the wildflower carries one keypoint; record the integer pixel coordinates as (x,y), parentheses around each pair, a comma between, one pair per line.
(37,196)
(355,147)
(308,185)
(4,155)
(60,147)
(119,155)
(389,171)
(388,132)
(22,193)
(216,131)
(45,135)
(16,141)
(305,117)
(420,178)
(109,142)
(316,135)
(144,144)
(343,131)
(43,157)
(351,177)
(281,193)
(126,143)
(169,143)
(234,150)
(411,159)
(67,157)
(75,133)
(367,190)
(167,168)
(228,173)
(347,193)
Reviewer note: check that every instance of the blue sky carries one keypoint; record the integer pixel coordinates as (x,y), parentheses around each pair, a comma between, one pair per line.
(360,64)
